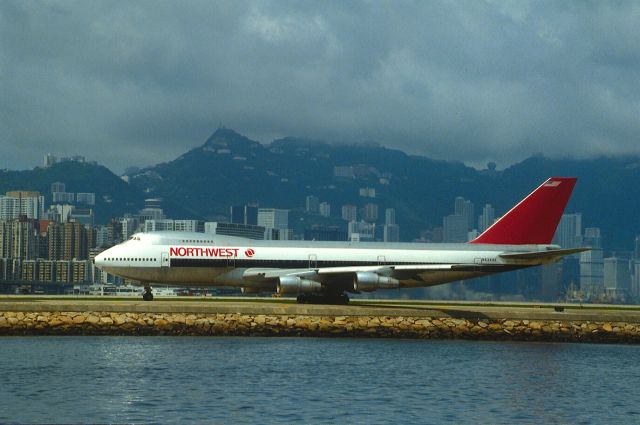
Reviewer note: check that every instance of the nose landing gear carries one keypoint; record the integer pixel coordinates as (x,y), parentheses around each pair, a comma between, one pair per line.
(148,295)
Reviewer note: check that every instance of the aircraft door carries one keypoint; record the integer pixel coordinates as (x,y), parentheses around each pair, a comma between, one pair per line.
(164,261)
(381,260)
(231,262)
(313,261)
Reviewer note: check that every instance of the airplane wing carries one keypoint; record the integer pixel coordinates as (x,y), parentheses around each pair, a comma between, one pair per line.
(261,275)
(388,275)
(369,277)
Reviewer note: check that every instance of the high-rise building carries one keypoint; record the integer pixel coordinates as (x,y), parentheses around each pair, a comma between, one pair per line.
(390,216)
(46,271)
(569,231)
(129,227)
(234,229)
(104,238)
(68,241)
(20,239)
(617,279)
(6,237)
(464,207)
(367,192)
(369,212)
(83,216)
(244,214)
(325,233)
(63,197)
(592,264)
(158,225)
(312,204)
(80,271)
(635,282)
(21,203)
(325,209)
(486,219)
(86,198)
(188,226)
(49,160)
(58,187)
(349,212)
(344,172)
(273,218)
(455,228)
(152,210)
(75,245)
(361,231)
(391,233)
(60,213)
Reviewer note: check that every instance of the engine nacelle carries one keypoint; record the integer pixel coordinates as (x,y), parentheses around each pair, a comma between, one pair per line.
(369,282)
(297,285)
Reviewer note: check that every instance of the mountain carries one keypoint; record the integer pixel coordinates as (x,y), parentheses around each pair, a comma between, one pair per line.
(114,197)
(230,169)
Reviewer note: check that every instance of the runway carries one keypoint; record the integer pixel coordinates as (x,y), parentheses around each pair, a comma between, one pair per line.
(284,306)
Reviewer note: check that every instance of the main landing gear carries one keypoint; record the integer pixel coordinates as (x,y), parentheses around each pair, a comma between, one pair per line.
(148,295)
(324,298)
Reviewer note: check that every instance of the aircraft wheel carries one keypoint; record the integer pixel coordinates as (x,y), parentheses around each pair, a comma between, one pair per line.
(339,299)
(148,295)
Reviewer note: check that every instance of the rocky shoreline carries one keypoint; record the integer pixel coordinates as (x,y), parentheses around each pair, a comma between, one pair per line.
(239,324)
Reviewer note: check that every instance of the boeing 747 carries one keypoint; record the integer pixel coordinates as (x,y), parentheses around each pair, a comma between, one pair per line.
(324,272)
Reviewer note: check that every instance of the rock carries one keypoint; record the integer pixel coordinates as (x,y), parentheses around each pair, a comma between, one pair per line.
(607,327)
(55,322)
(93,319)
(106,320)
(161,323)
(535,325)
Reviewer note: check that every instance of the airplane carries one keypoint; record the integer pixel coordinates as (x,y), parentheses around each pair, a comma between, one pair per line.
(324,272)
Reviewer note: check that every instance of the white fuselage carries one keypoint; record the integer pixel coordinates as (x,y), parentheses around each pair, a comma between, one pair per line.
(198,259)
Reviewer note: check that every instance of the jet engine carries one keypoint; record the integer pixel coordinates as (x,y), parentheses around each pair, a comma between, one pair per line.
(297,285)
(369,282)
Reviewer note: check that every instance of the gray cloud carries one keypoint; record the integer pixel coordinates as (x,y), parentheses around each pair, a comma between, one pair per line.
(136,83)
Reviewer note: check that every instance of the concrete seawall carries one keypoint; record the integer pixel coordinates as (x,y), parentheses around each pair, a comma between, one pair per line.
(477,322)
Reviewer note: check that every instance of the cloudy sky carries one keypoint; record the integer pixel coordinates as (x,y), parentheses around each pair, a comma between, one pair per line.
(140,82)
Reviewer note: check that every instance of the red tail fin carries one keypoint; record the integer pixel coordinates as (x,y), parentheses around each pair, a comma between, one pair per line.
(535,219)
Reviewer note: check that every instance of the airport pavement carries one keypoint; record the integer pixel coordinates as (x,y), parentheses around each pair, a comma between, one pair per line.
(369,308)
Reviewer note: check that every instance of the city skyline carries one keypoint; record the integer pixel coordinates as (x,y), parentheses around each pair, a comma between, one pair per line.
(56,244)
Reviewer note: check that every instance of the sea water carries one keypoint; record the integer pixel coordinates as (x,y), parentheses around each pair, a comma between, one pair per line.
(314,380)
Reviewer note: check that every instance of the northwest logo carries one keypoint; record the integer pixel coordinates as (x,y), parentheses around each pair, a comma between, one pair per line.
(249,252)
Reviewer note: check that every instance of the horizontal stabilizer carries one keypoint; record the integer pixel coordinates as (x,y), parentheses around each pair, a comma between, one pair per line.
(542,254)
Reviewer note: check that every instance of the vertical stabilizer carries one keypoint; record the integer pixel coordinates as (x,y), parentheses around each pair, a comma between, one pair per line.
(534,220)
